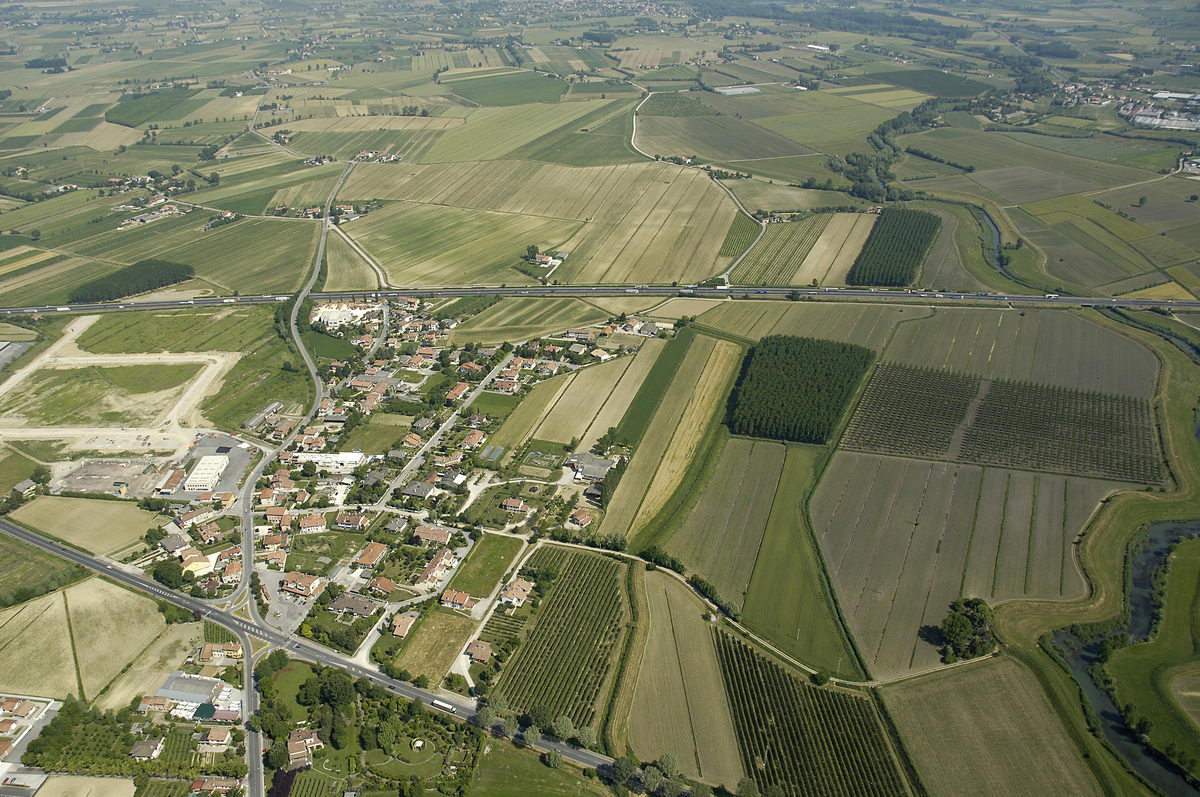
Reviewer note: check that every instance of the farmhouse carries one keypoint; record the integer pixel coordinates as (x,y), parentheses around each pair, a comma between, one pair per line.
(515,505)
(581,518)
(211,784)
(588,466)
(516,592)
(146,750)
(207,473)
(479,651)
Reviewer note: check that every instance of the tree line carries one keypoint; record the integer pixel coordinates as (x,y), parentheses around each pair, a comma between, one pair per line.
(142,276)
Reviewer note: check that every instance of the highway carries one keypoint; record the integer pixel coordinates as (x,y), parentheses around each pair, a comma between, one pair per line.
(827,294)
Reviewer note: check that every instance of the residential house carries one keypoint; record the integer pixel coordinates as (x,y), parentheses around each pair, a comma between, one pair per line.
(350,521)
(275,542)
(457,392)
(300,584)
(209,532)
(589,467)
(213,784)
(155,703)
(457,600)
(515,505)
(426,534)
(403,623)
(473,440)
(232,573)
(25,488)
(174,543)
(370,557)
(416,489)
(516,592)
(352,604)
(310,524)
(479,651)
(216,737)
(381,586)
(146,749)
(581,518)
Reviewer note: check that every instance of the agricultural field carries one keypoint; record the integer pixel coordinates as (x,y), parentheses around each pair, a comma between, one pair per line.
(438,639)
(493,133)
(777,257)
(987,728)
(515,319)
(722,535)
(119,395)
(679,704)
(102,527)
(519,425)
(83,786)
(671,230)
(804,739)
(713,138)
(26,572)
(486,565)
(378,434)
(956,529)
(505,770)
(514,88)
(675,431)
(743,232)
(861,324)
(895,249)
(586,609)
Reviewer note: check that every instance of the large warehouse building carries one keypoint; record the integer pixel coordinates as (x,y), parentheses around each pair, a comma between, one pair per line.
(206,474)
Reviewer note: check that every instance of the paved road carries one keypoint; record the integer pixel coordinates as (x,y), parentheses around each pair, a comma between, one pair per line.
(948,298)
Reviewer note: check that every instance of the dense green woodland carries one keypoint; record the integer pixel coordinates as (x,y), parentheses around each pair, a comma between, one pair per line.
(142,276)
(795,389)
(895,249)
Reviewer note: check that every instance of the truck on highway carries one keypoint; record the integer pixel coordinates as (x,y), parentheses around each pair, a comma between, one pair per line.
(444,706)
(1051,296)
(62,309)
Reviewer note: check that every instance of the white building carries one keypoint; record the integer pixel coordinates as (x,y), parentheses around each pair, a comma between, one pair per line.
(206,474)
(344,462)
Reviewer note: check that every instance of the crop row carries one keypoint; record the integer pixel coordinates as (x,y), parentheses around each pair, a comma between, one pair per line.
(801,739)
(1050,428)
(742,232)
(910,411)
(563,664)
(781,251)
(895,248)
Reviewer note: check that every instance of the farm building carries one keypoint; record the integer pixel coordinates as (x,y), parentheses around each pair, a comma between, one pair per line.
(206,474)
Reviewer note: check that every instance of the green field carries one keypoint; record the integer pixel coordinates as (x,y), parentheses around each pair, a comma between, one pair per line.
(27,572)
(778,256)
(486,565)
(508,771)
(515,88)
(124,395)
(515,319)
(433,646)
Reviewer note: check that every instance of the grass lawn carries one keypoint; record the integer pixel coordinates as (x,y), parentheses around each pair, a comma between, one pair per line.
(485,510)
(486,565)
(506,771)
(494,405)
(26,571)
(95,525)
(288,680)
(378,434)
(328,347)
(433,647)
(317,554)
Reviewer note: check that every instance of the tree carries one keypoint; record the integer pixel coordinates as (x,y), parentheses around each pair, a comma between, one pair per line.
(35,235)
(337,689)
(747,788)
(652,778)
(586,737)
(539,715)
(623,769)
(486,718)
(169,573)
(531,735)
(552,759)
(669,766)
(277,756)
(1141,203)
(563,728)
(672,788)
(508,726)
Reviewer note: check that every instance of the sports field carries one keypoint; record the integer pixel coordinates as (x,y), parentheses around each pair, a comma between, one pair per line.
(986,728)
(98,526)
(515,319)
(903,538)
(679,706)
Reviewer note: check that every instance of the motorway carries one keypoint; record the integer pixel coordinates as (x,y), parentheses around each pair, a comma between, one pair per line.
(828,294)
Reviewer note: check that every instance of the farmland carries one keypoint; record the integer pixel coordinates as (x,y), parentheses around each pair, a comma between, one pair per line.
(777,258)
(669,443)
(27,572)
(507,771)
(514,88)
(804,739)
(955,530)
(516,319)
(895,249)
(986,728)
(597,398)
(743,230)
(861,324)
(585,610)
(635,222)
(493,133)
(722,535)
(679,705)
(94,525)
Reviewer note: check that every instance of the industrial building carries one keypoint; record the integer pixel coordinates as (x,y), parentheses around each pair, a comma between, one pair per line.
(207,473)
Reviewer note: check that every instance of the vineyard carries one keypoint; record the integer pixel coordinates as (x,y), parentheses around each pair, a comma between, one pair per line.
(895,249)
(1049,428)
(315,784)
(216,633)
(781,251)
(564,662)
(795,388)
(503,630)
(910,411)
(163,788)
(801,739)
(742,232)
